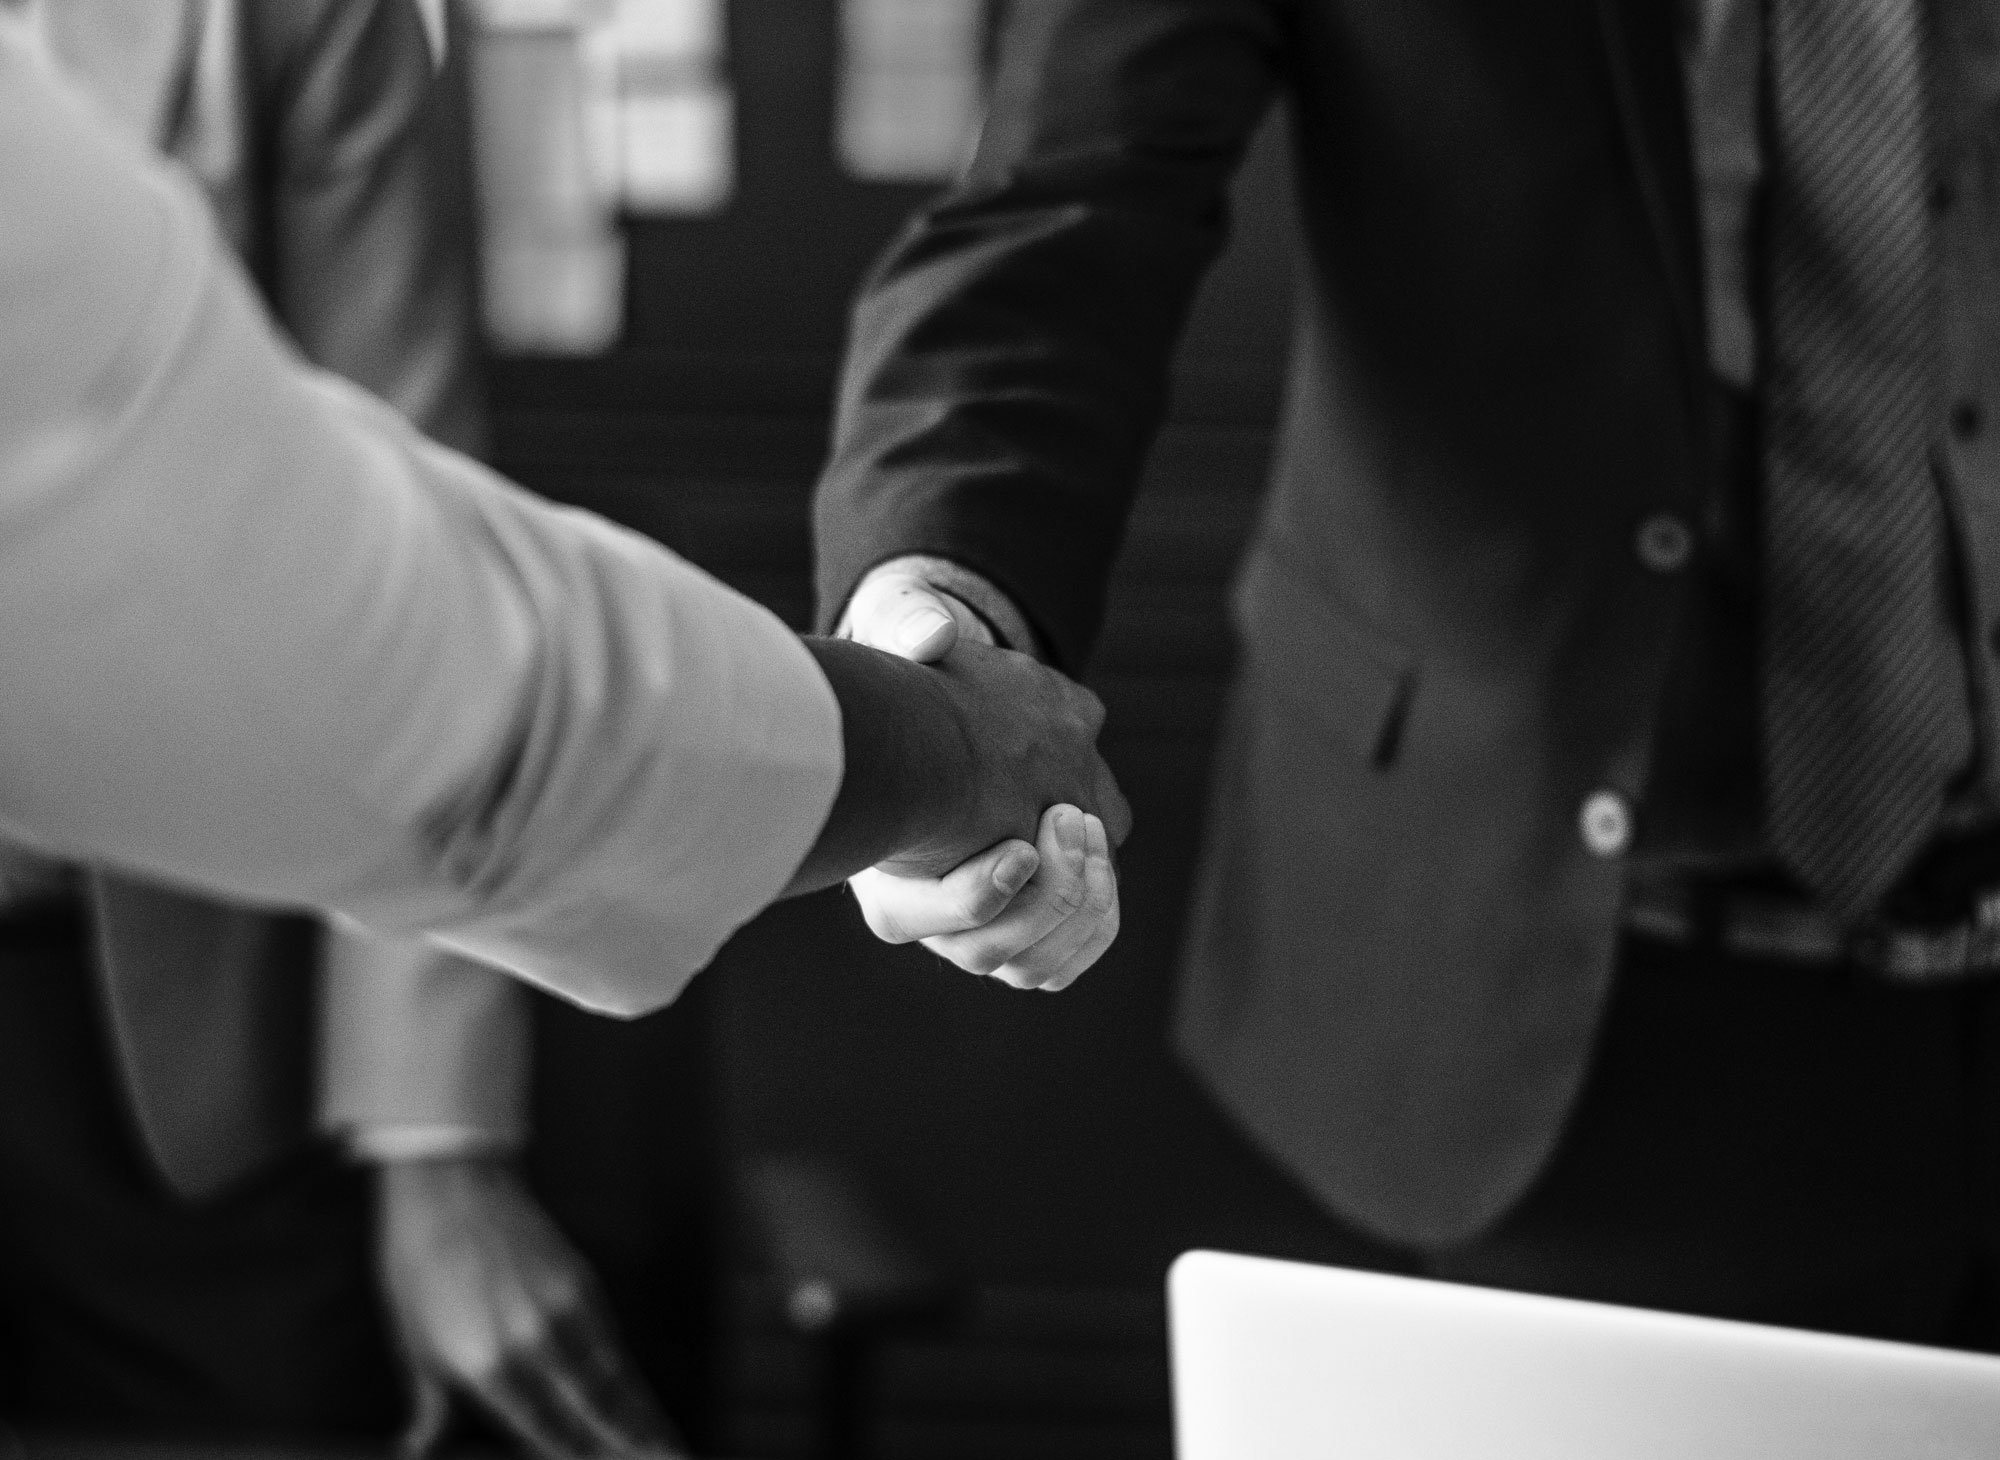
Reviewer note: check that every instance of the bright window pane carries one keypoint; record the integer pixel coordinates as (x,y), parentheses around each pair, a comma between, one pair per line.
(562,296)
(586,108)
(672,128)
(911,92)
(692,29)
(554,262)
(677,152)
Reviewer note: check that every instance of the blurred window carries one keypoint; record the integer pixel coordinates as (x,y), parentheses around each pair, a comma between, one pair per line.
(587,109)
(668,112)
(911,87)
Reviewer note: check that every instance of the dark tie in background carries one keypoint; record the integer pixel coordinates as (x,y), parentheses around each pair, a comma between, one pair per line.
(1864,721)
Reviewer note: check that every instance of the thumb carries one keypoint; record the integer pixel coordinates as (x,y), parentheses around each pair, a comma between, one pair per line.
(899,614)
(430,1411)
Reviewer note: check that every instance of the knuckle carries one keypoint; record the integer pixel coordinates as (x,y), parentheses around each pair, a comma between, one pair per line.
(865,622)
(984,961)
(1030,968)
(523,1336)
(479,1360)
(979,905)
(883,922)
(883,927)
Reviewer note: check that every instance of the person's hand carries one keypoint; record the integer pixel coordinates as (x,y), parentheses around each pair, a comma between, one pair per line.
(1037,933)
(489,1298)
(1023,738)
(1032,916)
(902,614)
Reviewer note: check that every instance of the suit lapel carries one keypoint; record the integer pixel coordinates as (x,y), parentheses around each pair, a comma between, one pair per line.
(1650,88)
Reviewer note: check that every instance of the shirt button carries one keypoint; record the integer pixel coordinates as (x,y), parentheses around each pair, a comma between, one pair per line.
(1665,543)
(1966,419)
(1943,195)
(1606,824)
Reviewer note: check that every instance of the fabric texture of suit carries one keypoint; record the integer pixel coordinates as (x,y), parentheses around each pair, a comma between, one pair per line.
(1403,942)
(338,166)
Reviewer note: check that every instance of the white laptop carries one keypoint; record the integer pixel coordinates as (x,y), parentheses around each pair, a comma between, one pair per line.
(1282,1361)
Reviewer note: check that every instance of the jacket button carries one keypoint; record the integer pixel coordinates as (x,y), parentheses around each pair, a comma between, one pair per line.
(1665,543)
(1606,824)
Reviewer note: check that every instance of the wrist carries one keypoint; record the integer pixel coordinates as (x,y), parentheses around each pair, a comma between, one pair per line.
(907,760)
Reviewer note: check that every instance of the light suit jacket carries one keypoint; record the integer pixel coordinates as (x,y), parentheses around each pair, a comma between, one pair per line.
(1403,937)
(265,639)
(335,155)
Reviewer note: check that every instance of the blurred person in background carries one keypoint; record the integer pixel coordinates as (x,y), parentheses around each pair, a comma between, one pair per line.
(247,1138)
(1601,893)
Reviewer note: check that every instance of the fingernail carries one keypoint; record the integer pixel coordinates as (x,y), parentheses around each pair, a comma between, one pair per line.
(1071,834)
(1013,870)
(919,626)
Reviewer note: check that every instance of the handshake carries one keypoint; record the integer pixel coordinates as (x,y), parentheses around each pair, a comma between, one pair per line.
(973,794)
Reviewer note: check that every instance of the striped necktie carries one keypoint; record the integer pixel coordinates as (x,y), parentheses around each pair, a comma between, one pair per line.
(1864,715)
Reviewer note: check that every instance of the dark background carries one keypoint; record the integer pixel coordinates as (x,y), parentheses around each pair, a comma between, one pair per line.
(1045,1151)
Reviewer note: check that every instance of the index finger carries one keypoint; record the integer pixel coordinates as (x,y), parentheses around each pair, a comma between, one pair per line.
(603,1389)
(1045,905)
(522,1396)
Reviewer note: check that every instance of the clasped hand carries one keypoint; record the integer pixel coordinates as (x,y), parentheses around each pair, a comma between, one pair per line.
(1033,914)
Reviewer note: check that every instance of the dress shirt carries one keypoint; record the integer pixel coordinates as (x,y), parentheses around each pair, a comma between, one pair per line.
(400,687)
(1704,812)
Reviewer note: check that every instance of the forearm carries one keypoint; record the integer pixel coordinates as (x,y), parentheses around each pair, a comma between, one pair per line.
(904,757)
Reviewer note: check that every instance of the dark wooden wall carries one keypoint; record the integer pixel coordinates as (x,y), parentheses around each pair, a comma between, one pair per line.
(1047,1149)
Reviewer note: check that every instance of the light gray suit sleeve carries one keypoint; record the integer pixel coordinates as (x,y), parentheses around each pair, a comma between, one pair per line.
(398,687)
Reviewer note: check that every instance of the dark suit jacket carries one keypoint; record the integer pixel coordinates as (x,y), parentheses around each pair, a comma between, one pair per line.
(313,127)
(1402,943)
